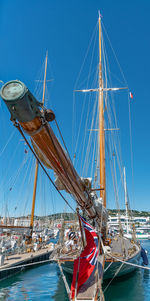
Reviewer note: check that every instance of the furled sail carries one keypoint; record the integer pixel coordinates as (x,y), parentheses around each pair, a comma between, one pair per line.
(27,111)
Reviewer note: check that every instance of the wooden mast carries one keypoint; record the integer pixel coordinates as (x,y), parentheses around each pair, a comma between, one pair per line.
(37,165)
(101,122)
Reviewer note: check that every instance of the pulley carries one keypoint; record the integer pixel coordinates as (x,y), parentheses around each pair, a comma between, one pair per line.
(49,115)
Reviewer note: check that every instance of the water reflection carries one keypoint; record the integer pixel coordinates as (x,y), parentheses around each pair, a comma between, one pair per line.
(38,284)
(146,275)
(129,287)
(60,293)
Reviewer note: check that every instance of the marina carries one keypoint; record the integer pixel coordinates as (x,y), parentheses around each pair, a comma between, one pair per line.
(96,249)
(16,255)
(46,281)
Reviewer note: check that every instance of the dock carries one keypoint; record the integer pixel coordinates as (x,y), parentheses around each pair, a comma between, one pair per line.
(19,262)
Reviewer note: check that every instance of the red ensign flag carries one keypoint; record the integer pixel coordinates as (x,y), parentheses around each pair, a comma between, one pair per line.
(85,263)
(131,95)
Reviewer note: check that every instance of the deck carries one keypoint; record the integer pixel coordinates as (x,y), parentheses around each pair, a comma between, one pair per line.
(89,289)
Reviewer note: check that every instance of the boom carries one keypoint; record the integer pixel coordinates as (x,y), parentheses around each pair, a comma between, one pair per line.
(35,122)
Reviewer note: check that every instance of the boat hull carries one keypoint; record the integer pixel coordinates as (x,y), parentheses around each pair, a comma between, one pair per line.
(125,269)
(112,270)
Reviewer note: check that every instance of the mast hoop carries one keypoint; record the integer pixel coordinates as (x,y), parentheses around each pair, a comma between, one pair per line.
(34,132)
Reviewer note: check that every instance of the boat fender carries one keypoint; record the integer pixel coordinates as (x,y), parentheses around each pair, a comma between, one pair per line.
(144,256)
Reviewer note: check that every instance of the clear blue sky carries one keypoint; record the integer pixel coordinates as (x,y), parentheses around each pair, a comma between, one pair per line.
(30,27)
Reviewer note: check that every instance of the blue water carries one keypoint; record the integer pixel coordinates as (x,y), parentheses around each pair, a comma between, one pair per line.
(45,283)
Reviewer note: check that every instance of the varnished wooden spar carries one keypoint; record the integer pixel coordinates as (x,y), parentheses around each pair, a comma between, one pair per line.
(54,155)
(101,123)
(26,109)
(13,227)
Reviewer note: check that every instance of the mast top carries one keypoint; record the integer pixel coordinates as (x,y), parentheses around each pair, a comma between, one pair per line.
(99,15)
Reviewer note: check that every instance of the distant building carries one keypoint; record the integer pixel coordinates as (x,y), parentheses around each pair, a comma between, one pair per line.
(113,221)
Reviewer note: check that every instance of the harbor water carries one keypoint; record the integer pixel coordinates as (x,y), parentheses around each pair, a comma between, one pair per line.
(45,283)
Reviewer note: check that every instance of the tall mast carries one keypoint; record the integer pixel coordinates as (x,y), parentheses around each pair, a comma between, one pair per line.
(37,165)
(101,122)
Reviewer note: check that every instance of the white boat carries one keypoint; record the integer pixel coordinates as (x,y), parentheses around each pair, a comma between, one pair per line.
(140,234)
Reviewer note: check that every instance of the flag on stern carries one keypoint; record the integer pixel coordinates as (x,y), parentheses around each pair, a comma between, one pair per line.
(131,95)
(86,262)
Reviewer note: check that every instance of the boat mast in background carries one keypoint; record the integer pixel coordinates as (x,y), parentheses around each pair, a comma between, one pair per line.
(126,200)
(37,164)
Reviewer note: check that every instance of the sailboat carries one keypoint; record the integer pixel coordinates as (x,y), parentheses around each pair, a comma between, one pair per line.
(32,120)
(118,249)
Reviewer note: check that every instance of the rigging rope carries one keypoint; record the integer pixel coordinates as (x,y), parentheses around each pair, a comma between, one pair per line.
(118,270)
(29,175)
(129,263)
(115,55)
(87,192)
(63,166)
(9,139)
(108,267)
(65,281)
(131,148)
(112,116)
(89,74)
(22,134)
(62,138)
(27,264)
